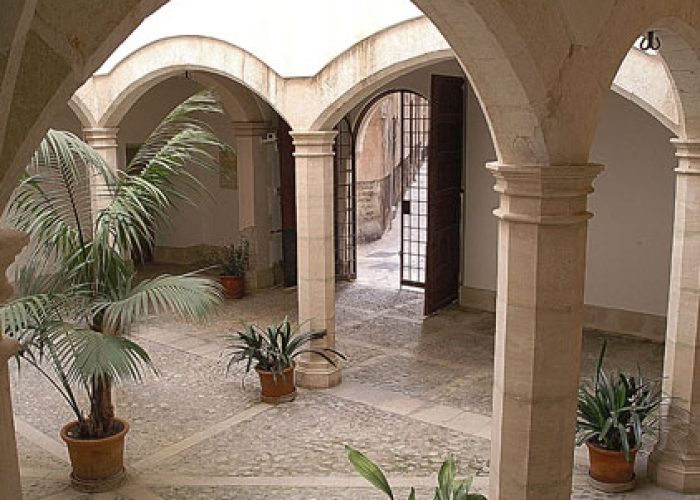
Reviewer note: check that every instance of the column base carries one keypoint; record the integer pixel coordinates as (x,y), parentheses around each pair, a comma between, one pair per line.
(675,471)
(260,279)
(317,375)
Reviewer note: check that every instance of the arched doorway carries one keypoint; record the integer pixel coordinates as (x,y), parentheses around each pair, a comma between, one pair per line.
(381,191)
(397,223)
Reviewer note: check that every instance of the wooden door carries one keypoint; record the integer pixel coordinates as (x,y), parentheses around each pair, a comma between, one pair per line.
(288,202)
(446,163)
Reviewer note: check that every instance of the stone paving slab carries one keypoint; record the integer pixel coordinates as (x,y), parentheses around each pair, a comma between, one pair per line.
(408,376)
(415,391)
(268,493)
(386,332)
(190,395)
(374,299)
(307,438)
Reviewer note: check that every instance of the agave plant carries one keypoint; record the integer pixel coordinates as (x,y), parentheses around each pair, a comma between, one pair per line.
(448,488)
(617,409)
(79,298)
(273,349)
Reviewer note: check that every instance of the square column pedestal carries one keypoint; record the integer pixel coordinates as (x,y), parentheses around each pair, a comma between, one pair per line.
(313,152)
(11,243)
(675,462)
(541,271)
(104,141)
(253,199)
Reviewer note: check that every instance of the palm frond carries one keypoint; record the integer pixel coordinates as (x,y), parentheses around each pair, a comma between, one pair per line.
(53,202)
(189,296)
(147,188)
(88,355)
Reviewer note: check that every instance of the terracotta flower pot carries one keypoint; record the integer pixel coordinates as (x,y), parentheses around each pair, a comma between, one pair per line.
(98,464)
(611,468)
(234,286)
(277,388)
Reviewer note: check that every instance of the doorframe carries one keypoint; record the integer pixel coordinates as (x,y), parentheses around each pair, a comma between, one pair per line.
(366,108)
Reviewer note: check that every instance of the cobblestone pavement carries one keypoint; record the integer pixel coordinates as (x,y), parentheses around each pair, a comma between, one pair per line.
(415,391)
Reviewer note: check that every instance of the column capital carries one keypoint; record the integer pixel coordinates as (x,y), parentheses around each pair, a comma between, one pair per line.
(544,194)
(250,129)
(686,147)
(101,137)
(313,143)
(688,154)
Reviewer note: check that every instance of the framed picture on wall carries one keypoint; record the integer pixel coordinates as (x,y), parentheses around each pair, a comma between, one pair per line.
(228,164)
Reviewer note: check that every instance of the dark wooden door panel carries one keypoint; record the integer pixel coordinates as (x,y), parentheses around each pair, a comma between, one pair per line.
(288,202)
(446,164)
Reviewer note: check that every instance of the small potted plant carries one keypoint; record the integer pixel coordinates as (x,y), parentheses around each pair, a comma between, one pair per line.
(272,351)
(614,411)
(234,264)
(448,488)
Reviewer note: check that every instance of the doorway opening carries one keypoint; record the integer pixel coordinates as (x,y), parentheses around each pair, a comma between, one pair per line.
(381,209)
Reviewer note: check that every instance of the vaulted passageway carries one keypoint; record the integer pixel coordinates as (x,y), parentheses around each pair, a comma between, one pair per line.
(540,71)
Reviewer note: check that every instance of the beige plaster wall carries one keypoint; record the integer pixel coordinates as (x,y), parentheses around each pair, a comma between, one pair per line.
(629,245)
(213,217)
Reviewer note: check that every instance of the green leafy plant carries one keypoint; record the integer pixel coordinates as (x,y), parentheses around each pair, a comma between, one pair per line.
(71,316)
(234,259)
(448,488)
(273,348)
(616,409)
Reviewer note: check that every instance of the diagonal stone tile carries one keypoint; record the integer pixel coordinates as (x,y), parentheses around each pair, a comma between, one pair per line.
(307,437)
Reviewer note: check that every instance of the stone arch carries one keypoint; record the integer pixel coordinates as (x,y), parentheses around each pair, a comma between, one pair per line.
(28,103)
(355,75)
(160,60)
(644,80)
(236,100)
(369,108)
(676,102)
(78,106)
(680,51)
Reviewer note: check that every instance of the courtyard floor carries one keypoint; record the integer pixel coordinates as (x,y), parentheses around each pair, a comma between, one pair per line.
(415,390)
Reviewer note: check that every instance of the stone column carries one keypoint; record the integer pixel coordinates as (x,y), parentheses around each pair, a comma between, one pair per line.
(316,277)
(253,200)
(675,462)
(11,242)
(541,271)
(104,141)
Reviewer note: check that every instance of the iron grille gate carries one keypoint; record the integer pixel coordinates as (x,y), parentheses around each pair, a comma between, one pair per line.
(412,183)
(415,131)
(344,204)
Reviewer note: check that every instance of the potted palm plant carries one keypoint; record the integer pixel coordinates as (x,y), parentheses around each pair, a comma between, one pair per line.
(72,319)
(614,411)
(234,264)
(448,488)
(272,351)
